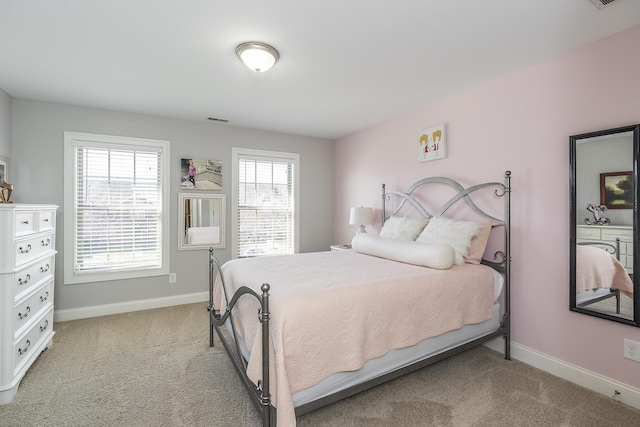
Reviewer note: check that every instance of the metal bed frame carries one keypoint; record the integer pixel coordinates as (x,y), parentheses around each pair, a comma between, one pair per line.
(613,250)
(259,394)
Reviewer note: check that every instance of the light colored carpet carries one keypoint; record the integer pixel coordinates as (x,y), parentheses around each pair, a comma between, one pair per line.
(608,306)
(155,368)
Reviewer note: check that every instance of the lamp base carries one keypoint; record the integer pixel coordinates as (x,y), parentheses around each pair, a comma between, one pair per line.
(362,229)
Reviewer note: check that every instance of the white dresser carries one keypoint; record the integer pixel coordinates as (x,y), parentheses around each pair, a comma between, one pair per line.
(608,234)
(27,265)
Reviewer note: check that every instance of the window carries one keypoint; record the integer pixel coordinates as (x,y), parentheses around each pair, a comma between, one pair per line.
(116,207)
(265,203)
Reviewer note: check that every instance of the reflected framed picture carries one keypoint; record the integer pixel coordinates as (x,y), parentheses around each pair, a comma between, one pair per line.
(200,174)
(616,190)
(432,144)
(3,170)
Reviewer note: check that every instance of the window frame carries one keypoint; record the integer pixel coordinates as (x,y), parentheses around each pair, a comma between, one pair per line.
(294,158)
(73,139)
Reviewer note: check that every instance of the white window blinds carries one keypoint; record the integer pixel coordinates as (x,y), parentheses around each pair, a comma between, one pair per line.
(265,205)
(117,208)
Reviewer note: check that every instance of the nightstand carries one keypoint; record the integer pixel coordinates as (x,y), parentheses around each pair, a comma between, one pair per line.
(341,247)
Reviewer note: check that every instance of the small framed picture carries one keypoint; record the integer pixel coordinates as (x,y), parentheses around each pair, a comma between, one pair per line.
(616,190)
(4,175)
(201,174)
(432,144)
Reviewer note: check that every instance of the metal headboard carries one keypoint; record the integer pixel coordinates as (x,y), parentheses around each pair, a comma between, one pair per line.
(501,259)
(607,247)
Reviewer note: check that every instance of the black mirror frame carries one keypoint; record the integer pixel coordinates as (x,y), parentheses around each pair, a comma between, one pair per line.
(573,141)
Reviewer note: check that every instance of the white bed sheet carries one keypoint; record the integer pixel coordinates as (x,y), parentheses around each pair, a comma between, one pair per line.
(203,235)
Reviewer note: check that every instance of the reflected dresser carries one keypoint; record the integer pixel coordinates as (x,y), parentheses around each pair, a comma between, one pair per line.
(27,265)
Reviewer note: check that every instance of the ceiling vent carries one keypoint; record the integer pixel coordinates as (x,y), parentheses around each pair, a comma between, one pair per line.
(217,119)
(601,4)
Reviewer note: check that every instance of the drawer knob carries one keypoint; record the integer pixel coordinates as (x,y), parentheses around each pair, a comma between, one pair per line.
(46,220)
(46,325)
(47,243)
(45,297)
(24,316)
(25,222)
(25,251)
(44,269)
(22,351)
(25,281)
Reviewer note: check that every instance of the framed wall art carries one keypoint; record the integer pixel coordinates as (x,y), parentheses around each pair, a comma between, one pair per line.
(432,144)
(616,190)
(200,174)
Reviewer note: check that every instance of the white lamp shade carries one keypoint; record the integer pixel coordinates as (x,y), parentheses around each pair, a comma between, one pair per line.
(361,216)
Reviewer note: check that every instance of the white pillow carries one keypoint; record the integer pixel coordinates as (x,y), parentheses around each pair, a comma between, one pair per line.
(433,255)
(457,234)
(401,228)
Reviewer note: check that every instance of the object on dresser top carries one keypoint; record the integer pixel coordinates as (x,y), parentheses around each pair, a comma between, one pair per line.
(27,287)
(5,192)
(596,210)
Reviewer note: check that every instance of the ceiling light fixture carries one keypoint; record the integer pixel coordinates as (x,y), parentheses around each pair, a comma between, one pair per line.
(257,56)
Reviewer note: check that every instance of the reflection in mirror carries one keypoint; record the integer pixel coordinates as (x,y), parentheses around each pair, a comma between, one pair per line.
(201,221)
(604,228)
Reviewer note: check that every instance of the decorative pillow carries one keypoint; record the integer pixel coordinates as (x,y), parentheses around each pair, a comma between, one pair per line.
(457,234)
(401,228)
(479,244)
(433,255)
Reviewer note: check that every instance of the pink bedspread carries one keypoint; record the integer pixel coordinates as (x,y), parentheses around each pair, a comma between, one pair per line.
(333,311)
(595,268)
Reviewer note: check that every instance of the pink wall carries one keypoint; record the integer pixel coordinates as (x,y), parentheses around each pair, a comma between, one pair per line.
(522,123)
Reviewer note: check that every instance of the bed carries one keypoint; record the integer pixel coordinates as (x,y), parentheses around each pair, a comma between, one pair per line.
(599,274)
(203,235)
(331,324)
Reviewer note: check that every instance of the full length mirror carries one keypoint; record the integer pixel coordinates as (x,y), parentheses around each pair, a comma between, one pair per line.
(604,226)
(201,221)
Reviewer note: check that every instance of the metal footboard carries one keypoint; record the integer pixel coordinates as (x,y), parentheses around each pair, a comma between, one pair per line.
(259,394)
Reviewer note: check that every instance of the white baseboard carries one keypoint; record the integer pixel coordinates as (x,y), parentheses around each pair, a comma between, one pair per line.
(125,307)
(582,377)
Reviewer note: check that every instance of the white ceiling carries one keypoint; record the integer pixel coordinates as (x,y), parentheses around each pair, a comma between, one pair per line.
(344,64)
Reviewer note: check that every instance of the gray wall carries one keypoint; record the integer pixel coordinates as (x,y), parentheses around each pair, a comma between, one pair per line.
(593,158)
(37,171)
(5,126)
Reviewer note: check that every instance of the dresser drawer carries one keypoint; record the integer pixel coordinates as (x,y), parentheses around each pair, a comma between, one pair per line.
(612,235)
(26,223)
(24,280)
(33,247)
(32,341)
(46,220)
(32,307)
(583,233)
